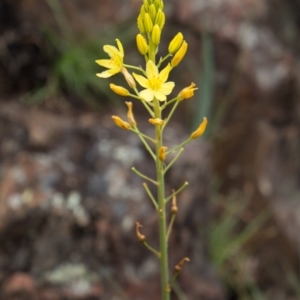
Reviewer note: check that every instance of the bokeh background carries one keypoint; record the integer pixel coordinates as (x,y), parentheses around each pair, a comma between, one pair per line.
(68,200)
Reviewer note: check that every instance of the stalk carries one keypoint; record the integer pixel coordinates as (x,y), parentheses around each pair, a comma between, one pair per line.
(163,244)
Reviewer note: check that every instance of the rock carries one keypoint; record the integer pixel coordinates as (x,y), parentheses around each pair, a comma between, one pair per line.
(19,286)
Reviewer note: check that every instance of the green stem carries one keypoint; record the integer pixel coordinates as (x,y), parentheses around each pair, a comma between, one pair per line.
(173,160)
(134,68)
(151,249)
(171,225)
(170,115)
(163,59)
(143,176)
(150,195)
(164,267)
(176,192)
(179,146)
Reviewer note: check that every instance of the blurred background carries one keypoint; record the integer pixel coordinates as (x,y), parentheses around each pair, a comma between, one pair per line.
(68,200)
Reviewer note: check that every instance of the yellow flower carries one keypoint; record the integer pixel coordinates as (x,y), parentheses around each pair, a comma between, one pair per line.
(115,63)
(155,84)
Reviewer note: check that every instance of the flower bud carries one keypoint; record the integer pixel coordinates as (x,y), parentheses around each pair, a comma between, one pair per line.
(175,43)
(146,5)
(158,4)
(130,116)
(119,90)
(155,36)
(179,54)
(160,19)
(156,121)
(200,130)
(148,23)
(128,77)
(142,44)
(120,123)
(187,92)
(143,11)
(140,24)
(152,12)
(162,153)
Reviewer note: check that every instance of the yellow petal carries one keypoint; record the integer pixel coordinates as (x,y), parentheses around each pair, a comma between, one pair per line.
(111,50)
(147,95)
(120,46)
(105,74)
(151,69)
(160,96)
(106,63)
(144,82)
(167,87)
(164,74)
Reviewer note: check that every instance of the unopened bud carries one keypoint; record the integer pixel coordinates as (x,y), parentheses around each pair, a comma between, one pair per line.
(119,90)
(179,54)
(156,121)
(140,236)
(187,92)
(142,44)
(146,5)
(148,23)
(140,24)
(158,4)
(162,153)
(128,77)
(152,12)
(130,116)
(120,123)
(155,36)
(160,19)
(175,43)
(200,130)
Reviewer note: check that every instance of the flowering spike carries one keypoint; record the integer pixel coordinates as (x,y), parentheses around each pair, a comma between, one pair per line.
(179,54)
(148,23)
(155,36)
(142,44)
(119,90)
(162,153)
(120,123)
(200,130)
(187,92)
(130,116)
(175,43)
